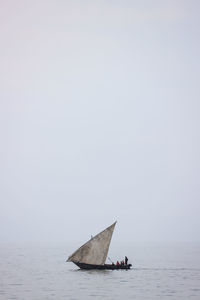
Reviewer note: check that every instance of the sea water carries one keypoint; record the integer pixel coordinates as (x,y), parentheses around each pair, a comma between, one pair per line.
(166,271)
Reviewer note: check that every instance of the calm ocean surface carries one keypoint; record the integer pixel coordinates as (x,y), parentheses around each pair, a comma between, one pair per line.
(159,272)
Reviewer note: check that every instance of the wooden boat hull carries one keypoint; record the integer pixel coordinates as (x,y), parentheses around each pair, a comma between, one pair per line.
(102,267)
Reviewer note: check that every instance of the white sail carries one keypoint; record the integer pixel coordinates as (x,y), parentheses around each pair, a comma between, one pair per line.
(95,250)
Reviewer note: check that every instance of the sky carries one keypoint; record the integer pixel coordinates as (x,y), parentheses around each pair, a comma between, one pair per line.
(99,120)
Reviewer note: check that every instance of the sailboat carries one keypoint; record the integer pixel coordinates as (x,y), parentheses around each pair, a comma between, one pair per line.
(93,254)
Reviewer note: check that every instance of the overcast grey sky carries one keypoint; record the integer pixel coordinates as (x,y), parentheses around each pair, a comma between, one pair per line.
(99,119)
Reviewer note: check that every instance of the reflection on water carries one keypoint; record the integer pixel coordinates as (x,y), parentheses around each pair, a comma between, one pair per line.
(41,273)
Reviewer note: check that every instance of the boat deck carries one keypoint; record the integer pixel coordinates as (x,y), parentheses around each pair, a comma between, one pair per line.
(102,267)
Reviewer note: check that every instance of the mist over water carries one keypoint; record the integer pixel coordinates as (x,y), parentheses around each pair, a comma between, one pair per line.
(99,121)
(162,271)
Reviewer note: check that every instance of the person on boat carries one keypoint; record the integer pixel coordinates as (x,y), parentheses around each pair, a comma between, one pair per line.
(117,264)
(122,263)
(126,260)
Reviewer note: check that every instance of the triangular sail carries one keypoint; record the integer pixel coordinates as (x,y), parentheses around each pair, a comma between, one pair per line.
(95,250)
